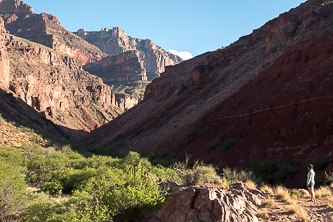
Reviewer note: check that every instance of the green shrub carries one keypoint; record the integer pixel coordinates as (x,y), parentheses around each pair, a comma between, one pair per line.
(183,141)
(198,175)
(12,156)
(214,144)
(295,193)
(238,175)
(271,170)
(327,179)
(13,198)
(228,144)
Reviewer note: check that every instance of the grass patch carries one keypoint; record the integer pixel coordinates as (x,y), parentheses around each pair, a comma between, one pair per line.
(324,191)
(293,208)
(251,183)
(269,203)
(263,214)
(267,189)
(303,215)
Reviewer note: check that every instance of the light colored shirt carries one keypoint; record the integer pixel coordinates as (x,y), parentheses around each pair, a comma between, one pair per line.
(311,175)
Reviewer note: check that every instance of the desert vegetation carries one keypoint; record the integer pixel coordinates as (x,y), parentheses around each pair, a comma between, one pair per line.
(44,179)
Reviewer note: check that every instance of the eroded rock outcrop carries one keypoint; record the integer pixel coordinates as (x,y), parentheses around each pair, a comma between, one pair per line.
(15,7)
(196,204)
(115,41)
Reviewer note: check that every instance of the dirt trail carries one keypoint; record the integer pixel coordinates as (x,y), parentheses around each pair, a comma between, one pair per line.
(316,211)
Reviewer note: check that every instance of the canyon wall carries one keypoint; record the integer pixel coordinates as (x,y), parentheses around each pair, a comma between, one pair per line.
(55,85)
(124,67)
(269,92)
(115,41)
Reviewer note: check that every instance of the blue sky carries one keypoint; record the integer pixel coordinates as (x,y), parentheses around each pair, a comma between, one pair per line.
(182,25)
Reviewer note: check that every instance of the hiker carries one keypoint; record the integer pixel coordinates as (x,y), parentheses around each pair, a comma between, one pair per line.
(310,182)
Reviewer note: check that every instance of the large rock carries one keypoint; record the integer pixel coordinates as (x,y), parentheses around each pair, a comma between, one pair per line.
(197,204)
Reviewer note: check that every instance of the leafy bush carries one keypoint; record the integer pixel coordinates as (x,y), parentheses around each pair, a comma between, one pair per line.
(295,194)
(198,175)
(328,179)
(228,144)
(183,141)
(271,170)
(238,175)
(214,144)
(12,191)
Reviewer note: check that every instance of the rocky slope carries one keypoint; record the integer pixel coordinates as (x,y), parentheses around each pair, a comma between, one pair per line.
(270,91)
(56,86)
(115,41)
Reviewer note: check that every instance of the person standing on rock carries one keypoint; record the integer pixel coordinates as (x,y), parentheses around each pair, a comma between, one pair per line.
(310,182)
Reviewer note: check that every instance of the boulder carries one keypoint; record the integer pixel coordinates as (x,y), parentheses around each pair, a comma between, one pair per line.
(196,204)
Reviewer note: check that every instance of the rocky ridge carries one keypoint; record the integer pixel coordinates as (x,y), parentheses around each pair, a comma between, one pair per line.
(245,92)
(115,41)
(46,29)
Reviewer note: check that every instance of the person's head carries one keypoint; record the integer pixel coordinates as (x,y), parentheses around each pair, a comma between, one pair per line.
(310,166)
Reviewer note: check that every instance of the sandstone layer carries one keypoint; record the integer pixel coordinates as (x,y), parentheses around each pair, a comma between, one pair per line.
(115,41)
(270,91)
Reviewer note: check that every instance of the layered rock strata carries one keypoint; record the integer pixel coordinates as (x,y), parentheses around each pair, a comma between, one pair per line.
(115,41)
(56,86)
(125,67)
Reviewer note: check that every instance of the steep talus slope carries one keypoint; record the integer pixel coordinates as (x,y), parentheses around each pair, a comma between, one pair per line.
(46,29)
(262,76)
(115,41)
